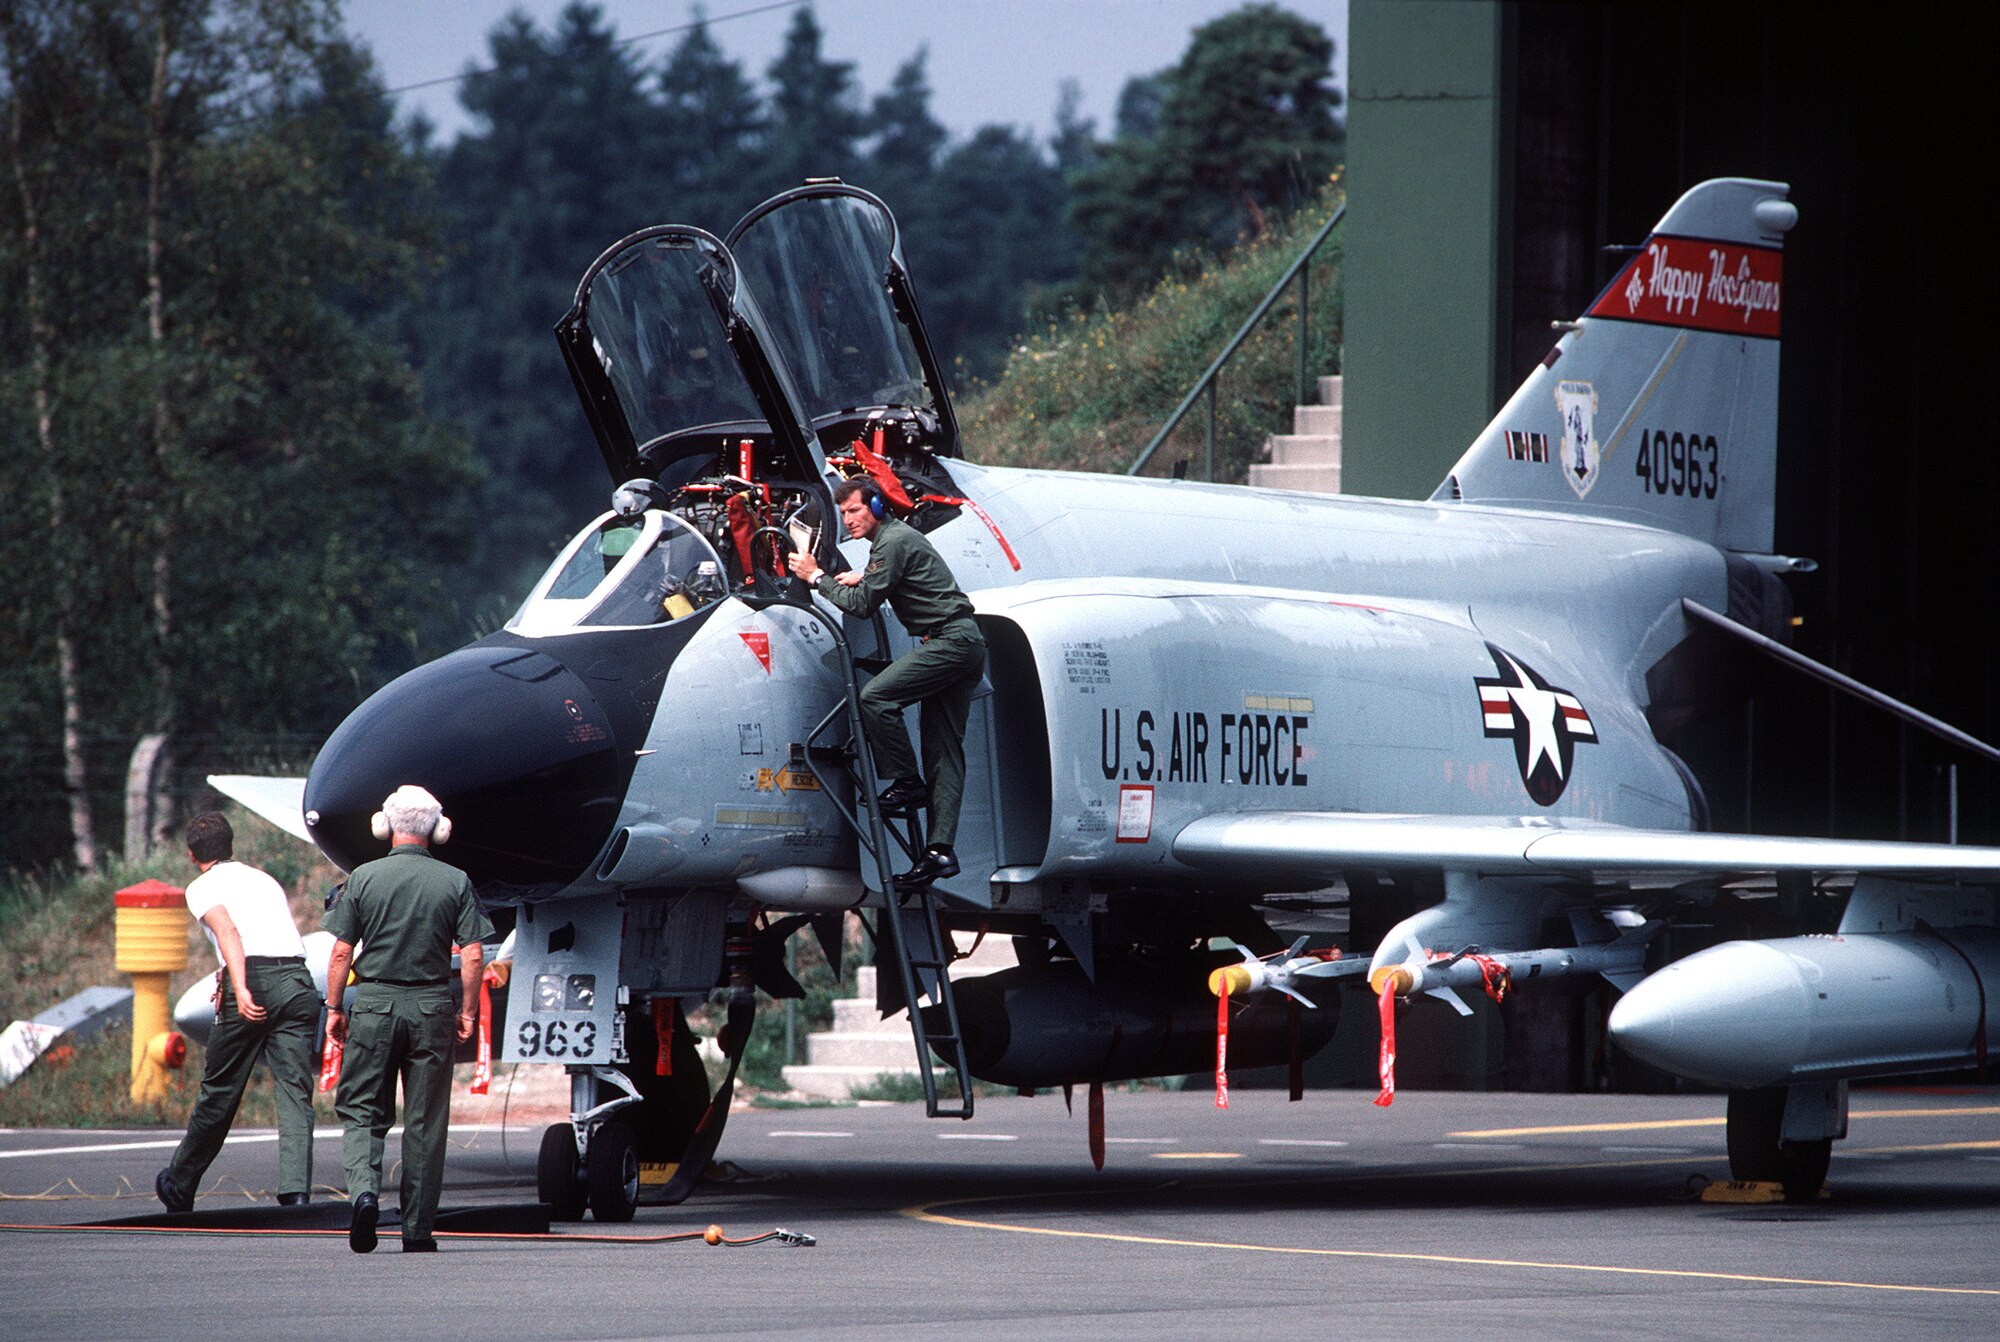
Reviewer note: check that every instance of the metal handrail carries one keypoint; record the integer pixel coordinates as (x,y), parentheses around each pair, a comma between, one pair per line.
(1206,383)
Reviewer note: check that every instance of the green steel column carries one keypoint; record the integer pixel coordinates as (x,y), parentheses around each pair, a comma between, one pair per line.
(1422,258)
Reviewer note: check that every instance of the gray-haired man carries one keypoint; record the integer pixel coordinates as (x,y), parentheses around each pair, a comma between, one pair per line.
(405,911)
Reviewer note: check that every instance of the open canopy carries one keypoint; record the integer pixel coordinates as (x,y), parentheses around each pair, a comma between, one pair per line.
(825,265)
(672,359)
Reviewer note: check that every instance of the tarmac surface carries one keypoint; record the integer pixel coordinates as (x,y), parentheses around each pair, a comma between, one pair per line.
(1559,1216)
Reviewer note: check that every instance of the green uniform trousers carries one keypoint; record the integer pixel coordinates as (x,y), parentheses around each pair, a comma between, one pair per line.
(283,1040)
(398,1032)
(943,673)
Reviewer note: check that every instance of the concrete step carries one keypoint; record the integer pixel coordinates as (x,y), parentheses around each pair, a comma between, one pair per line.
(1329,390)
(1316,420)
(886,1050)
(1293,449)
(838,1083)
(862,1045)
(855,1015)
(1310,479)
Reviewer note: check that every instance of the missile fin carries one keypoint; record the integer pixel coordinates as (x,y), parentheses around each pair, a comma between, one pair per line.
(1450,996)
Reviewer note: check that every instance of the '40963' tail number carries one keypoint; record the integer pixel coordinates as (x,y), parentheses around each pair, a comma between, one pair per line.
(573,1040)
(1686,465)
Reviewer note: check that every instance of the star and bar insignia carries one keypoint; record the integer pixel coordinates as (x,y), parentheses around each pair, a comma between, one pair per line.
(1545,724)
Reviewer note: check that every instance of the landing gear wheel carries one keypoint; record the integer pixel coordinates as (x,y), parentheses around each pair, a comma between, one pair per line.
(613,1174)
(1758,1153)
(558,1181)
(1802,1168)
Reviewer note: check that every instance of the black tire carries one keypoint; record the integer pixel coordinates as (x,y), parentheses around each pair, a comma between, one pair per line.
(1802,1168)
(613,1173)
(1756,1117)
(558,1181)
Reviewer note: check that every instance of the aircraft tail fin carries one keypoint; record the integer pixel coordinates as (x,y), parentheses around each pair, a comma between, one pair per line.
(1660,404)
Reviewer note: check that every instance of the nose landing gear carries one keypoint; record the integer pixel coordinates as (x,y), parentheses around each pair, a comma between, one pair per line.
(593,1160)
(652,1113)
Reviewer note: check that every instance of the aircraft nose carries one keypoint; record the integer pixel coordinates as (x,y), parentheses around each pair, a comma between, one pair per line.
(515,745)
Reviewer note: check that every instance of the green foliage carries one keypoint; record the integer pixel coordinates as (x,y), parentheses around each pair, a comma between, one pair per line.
(908,1087)
(56,934)
(244,440)
(900,1087)
(56,927)
(816,121)
(576,146)
(1087,391)
(56,939)
(1243,126)
(89,1085)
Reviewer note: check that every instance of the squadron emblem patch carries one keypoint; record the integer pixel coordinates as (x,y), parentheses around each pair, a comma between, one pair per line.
(1576,402)
(1544,722)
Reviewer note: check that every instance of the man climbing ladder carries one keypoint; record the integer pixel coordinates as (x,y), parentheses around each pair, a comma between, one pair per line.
(941,672)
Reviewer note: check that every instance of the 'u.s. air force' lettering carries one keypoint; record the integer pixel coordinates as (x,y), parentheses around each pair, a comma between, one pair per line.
(1545,724)
(1178,746)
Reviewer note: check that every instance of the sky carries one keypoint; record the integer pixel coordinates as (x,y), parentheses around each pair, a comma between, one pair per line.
(991,61)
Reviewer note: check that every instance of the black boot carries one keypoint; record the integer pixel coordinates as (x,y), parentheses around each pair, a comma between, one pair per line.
(294,1199)
(361,1230)
(937,863)
(905,794)
(170,1197)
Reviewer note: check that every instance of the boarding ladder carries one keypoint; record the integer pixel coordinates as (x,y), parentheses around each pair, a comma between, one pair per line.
(908,926)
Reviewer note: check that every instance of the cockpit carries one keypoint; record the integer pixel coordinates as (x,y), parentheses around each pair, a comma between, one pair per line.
(733,382)
(622,572)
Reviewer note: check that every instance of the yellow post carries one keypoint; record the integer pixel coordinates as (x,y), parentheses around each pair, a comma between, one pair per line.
(151,946)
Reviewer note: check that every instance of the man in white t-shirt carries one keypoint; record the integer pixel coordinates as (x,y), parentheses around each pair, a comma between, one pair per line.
(266,1008)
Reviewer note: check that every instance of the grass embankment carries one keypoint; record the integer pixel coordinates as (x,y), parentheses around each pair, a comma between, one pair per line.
(56,939)
(1088,392)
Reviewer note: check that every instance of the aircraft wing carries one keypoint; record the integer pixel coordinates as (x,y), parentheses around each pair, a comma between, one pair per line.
(282,801)
(1323,844)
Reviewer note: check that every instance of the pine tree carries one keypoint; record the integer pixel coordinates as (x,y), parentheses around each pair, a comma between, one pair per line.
(815,113)
(219,428)
(1242,125)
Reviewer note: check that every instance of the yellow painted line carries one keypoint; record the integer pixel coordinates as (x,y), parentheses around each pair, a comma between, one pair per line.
(1197,1155)
(1936,1146)
(1988,1110)
(1664,1123)
(926,1214)
(1654,1125)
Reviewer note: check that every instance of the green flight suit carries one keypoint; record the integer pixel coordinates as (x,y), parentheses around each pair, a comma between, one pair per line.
(404,912)
(942,671)
(283,1041)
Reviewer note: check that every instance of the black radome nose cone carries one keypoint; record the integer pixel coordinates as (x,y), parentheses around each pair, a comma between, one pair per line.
(514,745)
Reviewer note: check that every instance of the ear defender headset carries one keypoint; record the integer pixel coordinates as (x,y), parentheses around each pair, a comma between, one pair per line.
(406,800)
(877,504)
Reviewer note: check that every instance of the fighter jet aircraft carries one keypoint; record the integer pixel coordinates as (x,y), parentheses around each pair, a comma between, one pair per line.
(1201,700)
